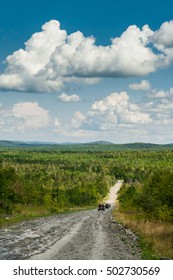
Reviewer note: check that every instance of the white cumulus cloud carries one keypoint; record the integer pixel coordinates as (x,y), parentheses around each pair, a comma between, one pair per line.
(161,94)
(52,58)
(78,119)
(143,85)
(24,116)
(164,36)
(110,112)
(68,98)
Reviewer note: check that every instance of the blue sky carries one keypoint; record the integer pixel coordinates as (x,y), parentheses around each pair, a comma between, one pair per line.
(83,71)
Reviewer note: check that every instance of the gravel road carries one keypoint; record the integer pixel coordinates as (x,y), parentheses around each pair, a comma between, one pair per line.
(85,235)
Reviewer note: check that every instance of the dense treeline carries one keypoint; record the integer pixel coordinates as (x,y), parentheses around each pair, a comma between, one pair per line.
(63,179)
(152,197)
(57,181)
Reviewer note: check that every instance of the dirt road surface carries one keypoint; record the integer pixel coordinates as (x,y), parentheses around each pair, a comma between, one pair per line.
(84,235)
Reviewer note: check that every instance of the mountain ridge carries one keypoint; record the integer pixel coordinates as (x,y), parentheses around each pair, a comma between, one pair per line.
(101,143)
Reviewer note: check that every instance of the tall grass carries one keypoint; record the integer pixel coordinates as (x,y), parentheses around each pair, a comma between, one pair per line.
(156,237)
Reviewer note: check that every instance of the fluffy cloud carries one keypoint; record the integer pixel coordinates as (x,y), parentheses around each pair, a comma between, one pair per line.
(144,85)
(38,49)
(68,98)
(161,94)
(163,38)
(78,119)
(24,116)
(160,107)
(52,58)
(81,58)
(110,112)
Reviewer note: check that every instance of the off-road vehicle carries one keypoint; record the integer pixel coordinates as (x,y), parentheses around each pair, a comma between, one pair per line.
(101,207)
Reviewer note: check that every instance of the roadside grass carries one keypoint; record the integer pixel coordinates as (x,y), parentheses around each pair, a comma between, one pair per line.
(29,212)
(155,237)
(22,213)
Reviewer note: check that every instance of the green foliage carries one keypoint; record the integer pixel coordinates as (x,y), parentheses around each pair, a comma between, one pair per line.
(158,193)
(57,181)
(148,253)
(59,177)
(153,196)
(7,183)
(126,195)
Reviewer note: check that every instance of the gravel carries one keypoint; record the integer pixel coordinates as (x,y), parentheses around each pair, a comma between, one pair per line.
(84,235)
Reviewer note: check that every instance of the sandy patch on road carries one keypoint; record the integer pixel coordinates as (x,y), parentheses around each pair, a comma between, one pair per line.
(112,197)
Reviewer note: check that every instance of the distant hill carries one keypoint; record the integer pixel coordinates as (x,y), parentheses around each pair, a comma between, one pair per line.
(93,146)
(140,145)
(99,143)
(7,143)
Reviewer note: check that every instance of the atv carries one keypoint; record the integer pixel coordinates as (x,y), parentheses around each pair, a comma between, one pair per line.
(107,206)
(101,207)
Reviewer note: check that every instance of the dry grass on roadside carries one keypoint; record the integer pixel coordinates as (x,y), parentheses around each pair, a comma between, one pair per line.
(159,234)
(21,213)
(31,210)
(27,212)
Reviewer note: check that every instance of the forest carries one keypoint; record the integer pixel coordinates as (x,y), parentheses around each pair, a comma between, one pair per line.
(57,178)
